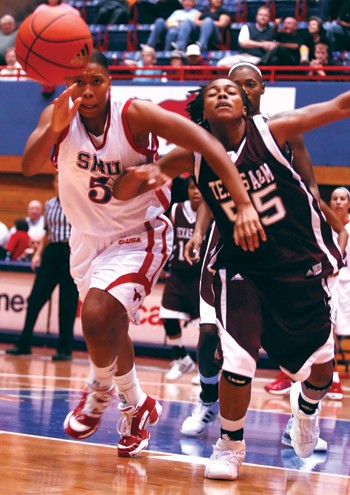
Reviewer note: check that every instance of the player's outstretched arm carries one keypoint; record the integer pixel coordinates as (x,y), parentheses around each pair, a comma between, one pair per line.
(287,124)
(52,121)
(145,116)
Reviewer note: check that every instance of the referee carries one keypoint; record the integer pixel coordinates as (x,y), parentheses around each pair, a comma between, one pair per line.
(51,263)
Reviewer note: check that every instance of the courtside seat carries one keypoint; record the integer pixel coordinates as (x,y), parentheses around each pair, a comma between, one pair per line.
(87,8)
(120,37)
(143,32)
(98,32)
(234,32)
(216,55)
(114,58)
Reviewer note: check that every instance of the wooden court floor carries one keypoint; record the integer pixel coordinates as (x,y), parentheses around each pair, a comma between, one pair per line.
(37,457)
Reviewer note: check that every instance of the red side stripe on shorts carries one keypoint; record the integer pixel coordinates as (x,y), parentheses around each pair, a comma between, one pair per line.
(137,278)
(162,199)
(141,276)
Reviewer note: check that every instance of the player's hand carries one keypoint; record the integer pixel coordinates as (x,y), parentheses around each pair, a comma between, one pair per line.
(248,230)
(192,249)
(64,110)
(150,173)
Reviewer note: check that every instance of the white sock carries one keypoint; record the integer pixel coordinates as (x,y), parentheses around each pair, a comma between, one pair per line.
(336,377)
(101,377)
(129,389)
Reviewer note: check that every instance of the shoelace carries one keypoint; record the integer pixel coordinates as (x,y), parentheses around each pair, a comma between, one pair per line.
(97,402)
(226,456)
(125,421)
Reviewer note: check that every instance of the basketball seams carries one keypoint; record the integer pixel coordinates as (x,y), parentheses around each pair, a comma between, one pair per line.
(46,25)
(50,51)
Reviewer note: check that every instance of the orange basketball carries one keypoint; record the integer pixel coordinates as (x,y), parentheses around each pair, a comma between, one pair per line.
(53,43)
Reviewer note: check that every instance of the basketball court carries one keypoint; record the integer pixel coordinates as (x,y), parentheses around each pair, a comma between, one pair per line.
(38,458)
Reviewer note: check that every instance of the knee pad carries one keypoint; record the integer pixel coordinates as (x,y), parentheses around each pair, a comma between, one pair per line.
(235,379)
(313,388)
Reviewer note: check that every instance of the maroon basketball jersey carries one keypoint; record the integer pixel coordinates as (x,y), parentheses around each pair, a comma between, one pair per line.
(300,243)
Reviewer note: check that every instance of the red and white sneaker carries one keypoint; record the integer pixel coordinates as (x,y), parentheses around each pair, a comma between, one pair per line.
(85,419)
(134,436)
(335,392)
(280,386)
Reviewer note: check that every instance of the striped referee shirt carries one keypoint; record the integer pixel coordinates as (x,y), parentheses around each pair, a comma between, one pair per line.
(56,222)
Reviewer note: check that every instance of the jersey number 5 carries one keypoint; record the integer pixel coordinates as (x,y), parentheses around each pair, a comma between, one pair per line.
(99,192)
(270,210)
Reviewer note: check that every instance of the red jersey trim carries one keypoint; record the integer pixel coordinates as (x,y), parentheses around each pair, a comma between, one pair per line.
(150,153)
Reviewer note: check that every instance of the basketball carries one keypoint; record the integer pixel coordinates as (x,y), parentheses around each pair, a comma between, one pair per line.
(53,43)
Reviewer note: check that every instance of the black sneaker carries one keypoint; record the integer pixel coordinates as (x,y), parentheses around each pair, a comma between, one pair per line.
(18,351)
(61,357)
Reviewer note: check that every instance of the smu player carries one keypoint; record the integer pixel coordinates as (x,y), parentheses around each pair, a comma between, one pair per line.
(117,248)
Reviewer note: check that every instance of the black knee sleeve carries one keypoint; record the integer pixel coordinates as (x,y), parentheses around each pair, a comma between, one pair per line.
(313,388)
(172,327)
(235,379)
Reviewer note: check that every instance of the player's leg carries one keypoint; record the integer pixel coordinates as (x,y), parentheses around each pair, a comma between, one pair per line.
(207,406)
(209,366)
(239,318)
(182,362)
(115,296)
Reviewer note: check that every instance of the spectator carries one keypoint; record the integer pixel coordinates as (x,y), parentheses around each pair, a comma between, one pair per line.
(4,236)
(13,70)
(254,39)
(35,219)
(146,12)
(288,41)
(176,58)
(194,55)
(328,9)
(195,60)
(339,31)
(51,262)
(149,59)
(18,241)
(8,34)
(321,59)
(211,23)
(178,26)
(315,34)
(34,243)
(112,12)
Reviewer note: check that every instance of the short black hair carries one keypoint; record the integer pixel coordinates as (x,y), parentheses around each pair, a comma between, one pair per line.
(97,57)
(22,224)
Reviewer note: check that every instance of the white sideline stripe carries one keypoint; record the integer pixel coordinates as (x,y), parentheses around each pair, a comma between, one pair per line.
(153,454)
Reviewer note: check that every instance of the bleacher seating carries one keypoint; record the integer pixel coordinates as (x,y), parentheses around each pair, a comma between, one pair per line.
(87,8)
(123,41)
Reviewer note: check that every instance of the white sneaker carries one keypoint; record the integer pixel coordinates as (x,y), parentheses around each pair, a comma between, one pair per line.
(196,380)
(225,460)
(202,415)
(304,432)
(321,445)
(179,367)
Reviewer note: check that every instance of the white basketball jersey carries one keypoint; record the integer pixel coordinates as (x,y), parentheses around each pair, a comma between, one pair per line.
(88,172)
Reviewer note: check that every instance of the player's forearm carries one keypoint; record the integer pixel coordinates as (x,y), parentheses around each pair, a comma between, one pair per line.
(38,150)
(203,219)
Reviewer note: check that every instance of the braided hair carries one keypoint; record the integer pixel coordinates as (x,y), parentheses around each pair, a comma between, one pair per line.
(195,107)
